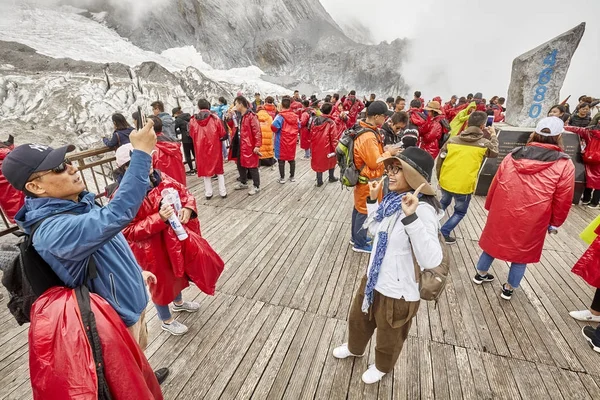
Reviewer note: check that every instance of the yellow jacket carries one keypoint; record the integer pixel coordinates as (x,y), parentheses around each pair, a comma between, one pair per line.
(461,157)
(459,121)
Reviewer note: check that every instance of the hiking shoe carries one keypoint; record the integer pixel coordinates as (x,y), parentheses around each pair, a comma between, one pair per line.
(589,333)
(253,190)
(174,328)
(190,173)
(334,179)
(240,186)
(479,279)
(506,294)
(187,306)
(292,179)
(449,240)
(319,184)
(365,249)
(372,375)
(342,352)
(161,374)
(585,316)
(594,206)
(282,181)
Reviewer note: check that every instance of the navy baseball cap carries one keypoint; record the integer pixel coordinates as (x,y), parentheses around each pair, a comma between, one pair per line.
(29,158)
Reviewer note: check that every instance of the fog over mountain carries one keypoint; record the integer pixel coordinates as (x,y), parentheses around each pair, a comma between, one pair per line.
(464,46)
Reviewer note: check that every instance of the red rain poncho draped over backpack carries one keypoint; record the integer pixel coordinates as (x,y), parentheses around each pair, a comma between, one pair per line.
(588,266)
(527,195)
(11,200)
(323,142)
(206,131)
(61,363)
(168,158)
(158,250)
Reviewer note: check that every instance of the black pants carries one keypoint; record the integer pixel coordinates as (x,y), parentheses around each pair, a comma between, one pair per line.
(591,195)
(188,151)
(267,162)
(320,176)
(245,172)
(282,168)
(596,301)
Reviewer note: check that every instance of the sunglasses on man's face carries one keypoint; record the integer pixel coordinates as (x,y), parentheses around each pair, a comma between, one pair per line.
(57,170)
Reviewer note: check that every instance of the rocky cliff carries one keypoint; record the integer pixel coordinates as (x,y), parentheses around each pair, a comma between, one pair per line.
(292,41)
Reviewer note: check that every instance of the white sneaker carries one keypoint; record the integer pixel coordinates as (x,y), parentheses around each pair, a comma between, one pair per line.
(342,352)
(253,190)
(187,306)
(585,315)
(372,375)
(282,181)
(175,328)
(240,186)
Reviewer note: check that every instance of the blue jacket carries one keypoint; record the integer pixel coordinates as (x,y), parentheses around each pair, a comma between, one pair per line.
(67,241)
(220,109)
(119,138)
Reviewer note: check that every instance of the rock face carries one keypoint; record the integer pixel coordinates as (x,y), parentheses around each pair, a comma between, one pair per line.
(60,101)
(538,76)
(296,39)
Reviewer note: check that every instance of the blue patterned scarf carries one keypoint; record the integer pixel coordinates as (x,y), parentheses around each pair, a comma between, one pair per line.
(390,205)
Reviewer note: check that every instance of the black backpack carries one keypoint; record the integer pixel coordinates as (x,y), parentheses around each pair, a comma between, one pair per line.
(29,276)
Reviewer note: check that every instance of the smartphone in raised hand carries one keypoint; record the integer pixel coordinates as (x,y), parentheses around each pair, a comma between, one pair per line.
(141,122)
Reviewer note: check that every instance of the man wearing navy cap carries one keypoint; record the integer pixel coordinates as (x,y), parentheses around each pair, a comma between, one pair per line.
(74,228)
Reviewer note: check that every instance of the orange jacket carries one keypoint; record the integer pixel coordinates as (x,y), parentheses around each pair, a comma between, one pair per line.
(266,149)
(367,149)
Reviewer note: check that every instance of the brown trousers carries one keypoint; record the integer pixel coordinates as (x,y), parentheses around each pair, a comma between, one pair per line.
(139,331)
(391,317)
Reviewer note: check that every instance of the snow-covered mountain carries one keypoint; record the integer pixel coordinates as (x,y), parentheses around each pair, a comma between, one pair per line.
(64,69)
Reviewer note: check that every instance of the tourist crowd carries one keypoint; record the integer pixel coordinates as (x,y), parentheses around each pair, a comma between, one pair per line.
(406,160)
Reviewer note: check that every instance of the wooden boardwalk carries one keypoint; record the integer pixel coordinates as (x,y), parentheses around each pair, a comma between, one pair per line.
(283,300)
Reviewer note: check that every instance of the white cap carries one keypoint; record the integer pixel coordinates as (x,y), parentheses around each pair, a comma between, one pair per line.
(123,154)
(555,125)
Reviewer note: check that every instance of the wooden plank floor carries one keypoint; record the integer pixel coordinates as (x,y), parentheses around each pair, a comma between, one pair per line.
(283,300)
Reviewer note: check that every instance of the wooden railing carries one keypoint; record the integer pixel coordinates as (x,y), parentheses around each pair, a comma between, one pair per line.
(96,167)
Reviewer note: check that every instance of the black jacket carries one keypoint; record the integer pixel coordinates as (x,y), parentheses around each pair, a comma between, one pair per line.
(389,137)
(181,127)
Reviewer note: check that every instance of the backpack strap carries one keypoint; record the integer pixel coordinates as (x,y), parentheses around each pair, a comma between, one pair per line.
(89,323)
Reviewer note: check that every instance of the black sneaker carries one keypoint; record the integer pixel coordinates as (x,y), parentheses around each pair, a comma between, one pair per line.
(479,279)
(334,179)
(589,334)
(161,374)
(449,240)
(191,173)
(319,184)
(506,294)
(586,202)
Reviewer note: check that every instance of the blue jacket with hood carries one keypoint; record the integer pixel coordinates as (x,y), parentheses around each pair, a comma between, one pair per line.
(66,241)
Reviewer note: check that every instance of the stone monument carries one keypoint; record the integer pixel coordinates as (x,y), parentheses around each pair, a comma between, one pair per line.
(536,80)
(537,77)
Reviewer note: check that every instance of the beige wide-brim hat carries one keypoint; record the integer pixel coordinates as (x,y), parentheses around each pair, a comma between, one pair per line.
(417,167)
(434,106)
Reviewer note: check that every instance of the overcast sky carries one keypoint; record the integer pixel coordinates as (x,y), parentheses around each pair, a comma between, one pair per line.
(463,46)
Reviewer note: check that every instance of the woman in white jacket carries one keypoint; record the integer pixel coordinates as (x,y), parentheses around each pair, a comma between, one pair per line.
(406,222)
